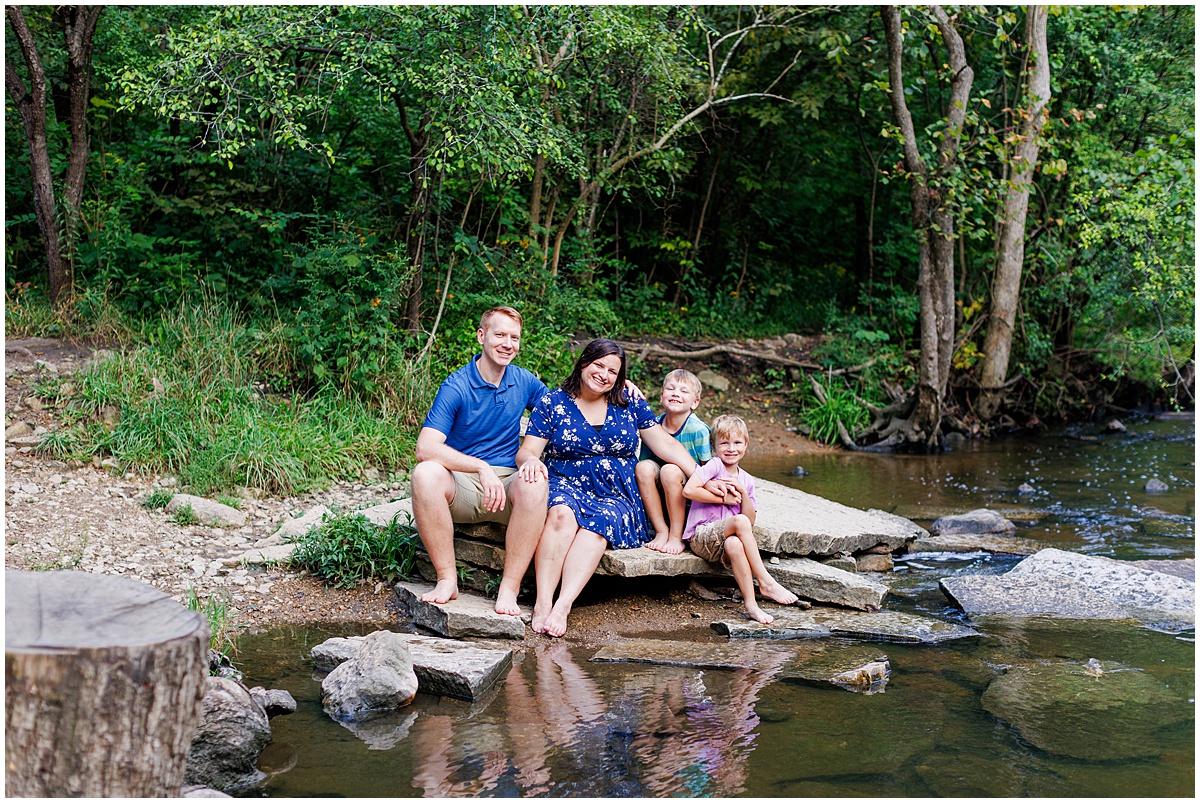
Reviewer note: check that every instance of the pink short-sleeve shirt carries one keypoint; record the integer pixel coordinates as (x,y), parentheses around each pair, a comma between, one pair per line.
(701,513)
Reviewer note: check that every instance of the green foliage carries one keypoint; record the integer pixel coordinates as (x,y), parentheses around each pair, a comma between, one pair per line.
(839,406)
(157,498)
(347,549)
(216,611)
(184,516)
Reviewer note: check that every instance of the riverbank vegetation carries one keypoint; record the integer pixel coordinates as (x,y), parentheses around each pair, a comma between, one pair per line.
(292,217)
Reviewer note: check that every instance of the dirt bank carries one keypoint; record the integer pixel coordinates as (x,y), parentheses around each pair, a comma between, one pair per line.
(89,518)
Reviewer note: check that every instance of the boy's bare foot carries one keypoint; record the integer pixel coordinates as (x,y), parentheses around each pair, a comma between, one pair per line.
(776,593)
(444,591)
(659,544)
(758,614)
(556,622)
(506,603)
(674,545)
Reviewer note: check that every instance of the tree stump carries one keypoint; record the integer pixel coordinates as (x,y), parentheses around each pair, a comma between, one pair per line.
(104,681)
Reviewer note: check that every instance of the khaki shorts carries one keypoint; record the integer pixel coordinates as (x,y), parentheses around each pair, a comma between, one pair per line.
(467,505)
(709,542)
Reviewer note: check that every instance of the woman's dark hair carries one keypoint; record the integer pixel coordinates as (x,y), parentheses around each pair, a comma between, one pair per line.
(596,350)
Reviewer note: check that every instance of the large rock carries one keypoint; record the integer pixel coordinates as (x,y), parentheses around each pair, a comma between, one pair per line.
(233,732)
(443,667)
(1073,586)
(644,562)
(1184,567)
(208,511)
(379,678)
(468,615)
(292,528)
(796,523)
(975,522)
(854,668)
(1096,711)
(274,701)
(262,556)
(902,628)
(927,512)
(713,381)
(823,583)
(998,544)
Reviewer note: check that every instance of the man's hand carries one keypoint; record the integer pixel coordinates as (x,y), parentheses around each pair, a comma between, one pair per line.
(493,489)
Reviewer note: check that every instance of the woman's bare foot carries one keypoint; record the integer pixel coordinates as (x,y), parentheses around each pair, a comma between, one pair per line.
(758,614)
(659,544)
(540,615)
(776,593)
(444,591)
(506,602)
(556,622)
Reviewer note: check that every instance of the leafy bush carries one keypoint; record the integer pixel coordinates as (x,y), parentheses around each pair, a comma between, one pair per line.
(348,548)
(840,406)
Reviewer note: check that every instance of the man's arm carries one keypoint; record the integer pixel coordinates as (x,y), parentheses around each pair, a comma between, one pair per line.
(431,445)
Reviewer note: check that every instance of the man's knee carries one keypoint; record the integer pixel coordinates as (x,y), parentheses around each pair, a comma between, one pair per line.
(672,474)
(529,494)
(646,471)
(431,481)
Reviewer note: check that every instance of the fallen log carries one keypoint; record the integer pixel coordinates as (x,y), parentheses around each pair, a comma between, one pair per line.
(647,350)
(104,683)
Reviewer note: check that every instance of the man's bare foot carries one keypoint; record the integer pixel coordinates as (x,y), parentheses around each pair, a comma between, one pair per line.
(444,591)
(556,622)
(776,593)
(540,614)
(758,614)
(506,603)
(659,544)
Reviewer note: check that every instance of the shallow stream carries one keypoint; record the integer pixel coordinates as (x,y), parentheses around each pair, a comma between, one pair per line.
(560,725)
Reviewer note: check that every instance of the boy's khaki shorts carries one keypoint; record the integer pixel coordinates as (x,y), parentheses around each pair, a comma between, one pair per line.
(709,542)
(467,505)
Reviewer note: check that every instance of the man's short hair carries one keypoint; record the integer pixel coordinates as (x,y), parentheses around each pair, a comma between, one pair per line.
(726,425)
(506,311)
(684,375)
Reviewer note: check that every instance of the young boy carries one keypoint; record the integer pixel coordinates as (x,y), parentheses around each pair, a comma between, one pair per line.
(720,528)
(680,397)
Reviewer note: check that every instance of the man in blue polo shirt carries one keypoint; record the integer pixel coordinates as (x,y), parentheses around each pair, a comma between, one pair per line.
(466,452)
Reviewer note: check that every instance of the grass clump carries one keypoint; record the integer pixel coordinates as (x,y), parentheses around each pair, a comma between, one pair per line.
(826,406)
(347,549)
(185,516)
(216,611)
(158,498)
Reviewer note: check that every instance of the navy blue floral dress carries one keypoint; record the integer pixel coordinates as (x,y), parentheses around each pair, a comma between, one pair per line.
(591,471)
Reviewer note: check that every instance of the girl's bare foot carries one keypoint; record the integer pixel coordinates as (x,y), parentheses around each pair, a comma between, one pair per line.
(556,622)
(444,591)
(776,593)
(758,614)
(659,544)
(540,614)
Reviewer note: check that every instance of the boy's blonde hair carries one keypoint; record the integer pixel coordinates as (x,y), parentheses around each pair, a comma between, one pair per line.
(684,375)
(726,425)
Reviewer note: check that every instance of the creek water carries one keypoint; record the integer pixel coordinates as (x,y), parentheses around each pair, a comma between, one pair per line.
(560,725)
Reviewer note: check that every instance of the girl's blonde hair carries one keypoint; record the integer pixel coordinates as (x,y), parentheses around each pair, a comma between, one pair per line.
(729,425)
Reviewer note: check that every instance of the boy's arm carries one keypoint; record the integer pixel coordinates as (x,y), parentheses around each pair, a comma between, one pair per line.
(695,489)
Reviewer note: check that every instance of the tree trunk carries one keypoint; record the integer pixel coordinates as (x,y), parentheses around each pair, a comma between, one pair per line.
(1010,245)
(31,104)
(935,222)
(104,686)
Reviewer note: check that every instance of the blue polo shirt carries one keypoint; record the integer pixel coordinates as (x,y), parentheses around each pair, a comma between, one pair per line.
(482,420)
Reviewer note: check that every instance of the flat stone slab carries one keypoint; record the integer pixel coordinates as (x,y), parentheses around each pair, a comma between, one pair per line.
(893,626)
(919,512)
(999,544)
(443,667)
(1008,595)
(1185,567)
(973,522)
(466,616)
(824,583)
(691,654)
(797,523)
(208,511)
(262,556)
(855,668)
(645,562)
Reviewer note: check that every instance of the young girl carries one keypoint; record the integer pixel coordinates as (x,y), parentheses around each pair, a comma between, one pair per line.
(720,528)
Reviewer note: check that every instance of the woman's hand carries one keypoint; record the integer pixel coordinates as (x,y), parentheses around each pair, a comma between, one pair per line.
(532,469)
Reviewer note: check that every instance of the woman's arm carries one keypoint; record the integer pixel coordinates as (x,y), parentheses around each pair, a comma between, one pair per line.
(669,449)
(529,458)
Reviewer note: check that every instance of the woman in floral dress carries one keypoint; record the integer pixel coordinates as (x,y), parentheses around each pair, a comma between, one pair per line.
(588,430)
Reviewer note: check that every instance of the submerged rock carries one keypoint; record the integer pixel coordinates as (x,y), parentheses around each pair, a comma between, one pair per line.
(468,615)
(233,732)
(903,628)
(998,544)
(1156,486)
(854,668)
(975,522)
(1071,710)
(691,654)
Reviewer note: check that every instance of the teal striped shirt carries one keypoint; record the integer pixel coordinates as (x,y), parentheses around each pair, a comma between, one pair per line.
(695,437)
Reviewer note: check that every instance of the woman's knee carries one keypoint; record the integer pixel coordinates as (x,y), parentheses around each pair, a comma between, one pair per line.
(561,518)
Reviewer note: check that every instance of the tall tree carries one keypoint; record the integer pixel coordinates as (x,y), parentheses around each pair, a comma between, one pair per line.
(1010,245)
(59,229)
(933,219)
